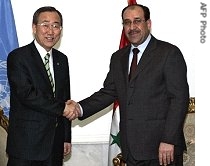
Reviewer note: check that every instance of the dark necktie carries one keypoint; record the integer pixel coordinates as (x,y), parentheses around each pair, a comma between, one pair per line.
(134,62)
(47,66)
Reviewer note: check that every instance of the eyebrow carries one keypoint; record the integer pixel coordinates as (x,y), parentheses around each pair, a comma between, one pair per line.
(57,22)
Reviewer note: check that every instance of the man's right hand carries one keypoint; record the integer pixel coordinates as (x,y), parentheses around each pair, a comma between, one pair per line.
(71,110)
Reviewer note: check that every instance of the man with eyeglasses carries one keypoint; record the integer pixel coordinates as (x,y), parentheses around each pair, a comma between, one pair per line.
(38,74)
(153,101)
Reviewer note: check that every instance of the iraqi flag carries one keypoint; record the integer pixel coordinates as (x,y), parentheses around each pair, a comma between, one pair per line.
(114,139)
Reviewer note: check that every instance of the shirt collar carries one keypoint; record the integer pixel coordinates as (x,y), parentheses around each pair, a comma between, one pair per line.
(142,46)
(41,50)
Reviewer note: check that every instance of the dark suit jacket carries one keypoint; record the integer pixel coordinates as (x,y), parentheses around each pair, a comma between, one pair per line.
(34,111)
(153,105)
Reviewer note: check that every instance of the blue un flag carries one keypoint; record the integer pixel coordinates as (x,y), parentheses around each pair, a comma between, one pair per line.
(8,42)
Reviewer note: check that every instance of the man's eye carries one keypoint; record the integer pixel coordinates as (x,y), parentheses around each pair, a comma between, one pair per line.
(127,22)
(137,21)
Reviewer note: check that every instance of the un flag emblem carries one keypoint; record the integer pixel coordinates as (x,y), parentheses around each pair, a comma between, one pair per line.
(4,88)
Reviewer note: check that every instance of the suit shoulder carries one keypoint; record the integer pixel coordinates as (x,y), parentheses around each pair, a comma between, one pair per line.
(20,51)
(55,51)
(166,44)
(121,51)
(59,53)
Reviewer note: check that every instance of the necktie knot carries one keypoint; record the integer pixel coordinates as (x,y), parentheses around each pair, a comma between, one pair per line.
(47,56)
(135,51)
(134,62)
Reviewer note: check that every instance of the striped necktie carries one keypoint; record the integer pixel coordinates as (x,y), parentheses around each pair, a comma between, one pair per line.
(47,67)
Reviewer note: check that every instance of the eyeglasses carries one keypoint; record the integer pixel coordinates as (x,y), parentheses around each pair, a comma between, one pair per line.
(136,22)
(54,26)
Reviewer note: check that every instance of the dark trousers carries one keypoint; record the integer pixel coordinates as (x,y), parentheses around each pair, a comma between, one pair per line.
(55,158)
(178,161)
(51,161)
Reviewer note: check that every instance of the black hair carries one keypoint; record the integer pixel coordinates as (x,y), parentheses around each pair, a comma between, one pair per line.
(145,9)
(46,9)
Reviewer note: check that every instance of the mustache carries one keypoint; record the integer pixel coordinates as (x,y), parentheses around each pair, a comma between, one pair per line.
(134,31)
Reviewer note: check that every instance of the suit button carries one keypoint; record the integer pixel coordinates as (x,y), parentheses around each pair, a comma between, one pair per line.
(130,102)
(132,86)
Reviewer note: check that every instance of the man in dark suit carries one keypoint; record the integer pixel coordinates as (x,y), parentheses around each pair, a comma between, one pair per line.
(153,103)
(39,134)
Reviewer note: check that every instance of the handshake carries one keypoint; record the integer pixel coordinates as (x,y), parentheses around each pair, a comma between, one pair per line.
(72,110)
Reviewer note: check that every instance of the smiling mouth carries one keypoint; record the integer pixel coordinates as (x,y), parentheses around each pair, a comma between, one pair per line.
(49,38)
(134,34)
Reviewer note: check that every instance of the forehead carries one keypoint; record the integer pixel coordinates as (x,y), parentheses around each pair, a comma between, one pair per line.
(133,12)
(49,16)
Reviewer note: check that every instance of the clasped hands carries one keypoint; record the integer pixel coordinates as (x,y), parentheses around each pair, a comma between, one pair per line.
(71,110)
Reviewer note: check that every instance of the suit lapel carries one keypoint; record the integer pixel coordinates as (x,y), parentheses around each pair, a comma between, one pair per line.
(146,57)
(56,68)
(37,60)
(124,61)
